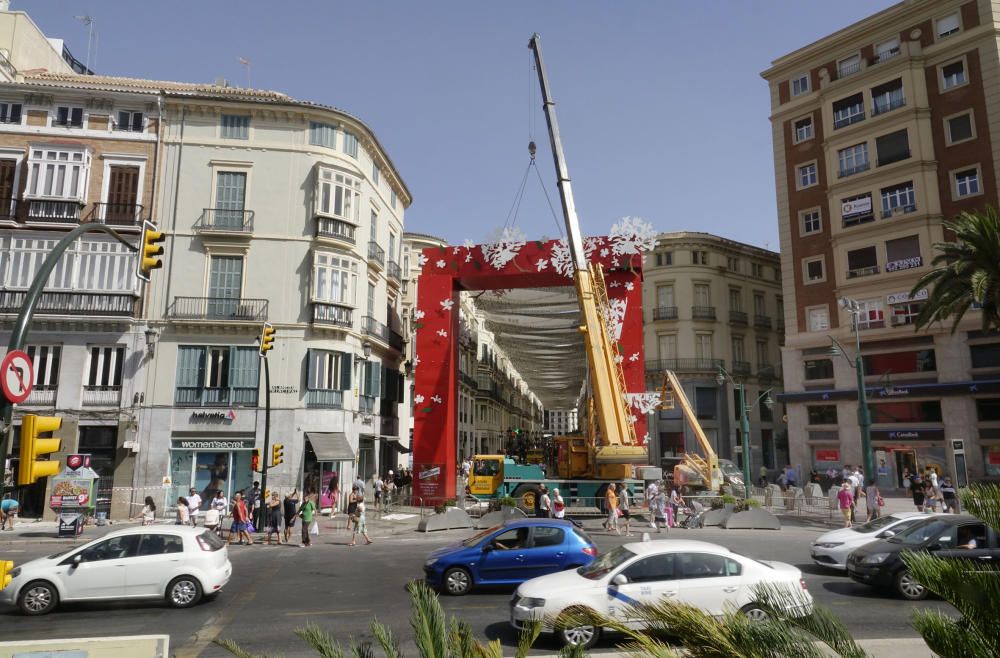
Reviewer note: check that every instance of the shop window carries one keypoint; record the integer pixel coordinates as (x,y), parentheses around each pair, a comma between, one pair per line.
(988,409)
(923,411)
(822,414)
(985,356)
(819,369)
(900,362)
(217,376)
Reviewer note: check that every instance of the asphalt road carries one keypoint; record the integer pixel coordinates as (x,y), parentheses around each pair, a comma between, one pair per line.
(276,590)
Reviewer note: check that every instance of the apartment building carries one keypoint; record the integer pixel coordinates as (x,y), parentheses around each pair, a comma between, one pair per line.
(74,154)
(710,303)
(562,421)
(881,131)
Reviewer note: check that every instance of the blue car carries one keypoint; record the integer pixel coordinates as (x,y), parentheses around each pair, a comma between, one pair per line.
(509,554)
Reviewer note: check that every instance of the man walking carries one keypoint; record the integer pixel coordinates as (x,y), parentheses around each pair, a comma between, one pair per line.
(194,506)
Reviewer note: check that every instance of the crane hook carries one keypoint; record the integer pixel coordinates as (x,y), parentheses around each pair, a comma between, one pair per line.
(531,149)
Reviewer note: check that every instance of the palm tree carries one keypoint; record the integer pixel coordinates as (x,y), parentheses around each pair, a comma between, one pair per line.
(967,272)
(972,587)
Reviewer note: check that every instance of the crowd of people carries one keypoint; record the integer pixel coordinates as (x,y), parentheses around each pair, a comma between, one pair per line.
(662,500)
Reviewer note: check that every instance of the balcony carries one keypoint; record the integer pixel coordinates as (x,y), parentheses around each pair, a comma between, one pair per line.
(376,254)
(102,396)
(762,321)
(117,215)
(72,303)
(768,373)
(859,272)
(215,397)
(738,318)
(53,212)
(856,169)
(665,313)
(394,271)
(904,264)
(333,314)
(335,229)
(848,119)
(216,308)
(888,105)
(324,399)
(886,55)
(225,220)
(848,70)
(898,210)
(702,312)
(373,327)
(685,365)
(897,157)
(741,367)
(41,396)
(484,383)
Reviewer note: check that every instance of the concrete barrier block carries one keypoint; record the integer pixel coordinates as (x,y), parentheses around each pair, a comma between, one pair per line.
(498,517)
(772,495)
(716,517)
(813,493)
(753,519)
(450,519)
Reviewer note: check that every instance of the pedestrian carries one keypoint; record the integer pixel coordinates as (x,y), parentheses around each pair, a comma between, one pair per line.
(306,511)
(930,498)
(377,489)
(241,519)
(783,479)
(650,495)
(352,505)
(932,477)
(359,484)
(253,503)
(272,517)
(675,505)
(845,498)
(183,512)
(558,505)
(917,491)
(623,508)
(661,504)
(388,490)
(360,523)
(763,476)
(949,496)
(544,502)
(611,504)
(220,504)
(873,500)
(148,513)
(290,509)
(194,506)
(8,512)
(791,475)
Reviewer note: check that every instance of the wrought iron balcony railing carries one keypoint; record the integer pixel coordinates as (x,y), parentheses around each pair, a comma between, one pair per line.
(216,308)
(335,314)
(53,211)
(225,219)
(101,396)
(394,271)
(665,313)
(703,312)
(376,254)
(324,399)
(215,397)
(327,227)
(738,317)
(762,321)
(684,365)
(72,303)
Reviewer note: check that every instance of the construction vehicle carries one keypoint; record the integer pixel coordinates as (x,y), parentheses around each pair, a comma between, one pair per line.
(695,473)
(609,450)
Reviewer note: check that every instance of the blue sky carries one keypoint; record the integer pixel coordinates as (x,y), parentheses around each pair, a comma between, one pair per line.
(663,111)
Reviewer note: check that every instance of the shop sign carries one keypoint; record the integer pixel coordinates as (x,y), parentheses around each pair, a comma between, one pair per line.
(904,297)
(854,207)
(828,455)
(284,390)
(904,264)
(213,444)
(430,480)
(908,435)
(212,417)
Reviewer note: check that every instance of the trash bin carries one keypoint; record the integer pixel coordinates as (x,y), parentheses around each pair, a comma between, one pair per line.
(102,518)
(70,524)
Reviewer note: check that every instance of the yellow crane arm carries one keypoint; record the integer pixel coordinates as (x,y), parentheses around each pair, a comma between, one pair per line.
(709,466)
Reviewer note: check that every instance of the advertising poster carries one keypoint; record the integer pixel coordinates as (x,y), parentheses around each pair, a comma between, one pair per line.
(71,492)
(429,481)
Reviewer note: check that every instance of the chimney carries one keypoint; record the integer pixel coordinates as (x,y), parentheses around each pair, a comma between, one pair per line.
(4,5)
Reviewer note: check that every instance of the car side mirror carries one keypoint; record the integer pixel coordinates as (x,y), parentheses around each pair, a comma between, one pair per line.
(620,579)
(885,534)
(488,547)
(77,559)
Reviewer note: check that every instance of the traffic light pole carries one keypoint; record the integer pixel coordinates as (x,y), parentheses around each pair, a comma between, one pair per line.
(267,437)
(21,325)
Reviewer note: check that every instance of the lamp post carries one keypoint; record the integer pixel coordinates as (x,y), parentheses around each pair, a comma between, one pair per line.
(721,380)
(864,413)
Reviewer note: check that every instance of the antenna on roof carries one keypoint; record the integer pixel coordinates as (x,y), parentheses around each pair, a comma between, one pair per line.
(246,62)
(89,21)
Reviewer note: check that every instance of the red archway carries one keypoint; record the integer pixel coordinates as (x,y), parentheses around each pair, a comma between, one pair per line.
(508,264)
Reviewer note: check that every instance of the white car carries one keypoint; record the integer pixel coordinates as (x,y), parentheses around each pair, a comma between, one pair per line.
(176,563)
(707,576)
(831,549)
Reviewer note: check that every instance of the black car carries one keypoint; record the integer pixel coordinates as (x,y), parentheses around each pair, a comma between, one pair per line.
(958,536)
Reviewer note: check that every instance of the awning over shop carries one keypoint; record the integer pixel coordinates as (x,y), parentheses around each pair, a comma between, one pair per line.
(396,444)
(331,446)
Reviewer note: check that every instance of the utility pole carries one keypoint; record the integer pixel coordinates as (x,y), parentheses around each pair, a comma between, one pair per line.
(266,345)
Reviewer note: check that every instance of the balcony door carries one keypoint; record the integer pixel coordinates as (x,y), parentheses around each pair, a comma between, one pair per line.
(230,199)
(225,285)
(123,195)
(8,171)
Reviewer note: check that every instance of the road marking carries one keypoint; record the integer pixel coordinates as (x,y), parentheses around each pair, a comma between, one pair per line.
(325,612)
(472,607)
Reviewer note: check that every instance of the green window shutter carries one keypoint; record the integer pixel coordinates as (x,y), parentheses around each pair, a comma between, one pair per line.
(376,381)
(190,367)
(311,370)
(244,366)
(345,371)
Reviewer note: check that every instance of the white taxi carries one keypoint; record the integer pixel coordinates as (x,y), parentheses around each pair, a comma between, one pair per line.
(707,576)
(176,563)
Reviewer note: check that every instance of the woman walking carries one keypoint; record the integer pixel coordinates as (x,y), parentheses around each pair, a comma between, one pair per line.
(273,514)
(148,513)
(241,516)
(183,512)
(291,508)
(611,504)
(360,524)
(845,498)
(623,507)
(872,498)
(306,511)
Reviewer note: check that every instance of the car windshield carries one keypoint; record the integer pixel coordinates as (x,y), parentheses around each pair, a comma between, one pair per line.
(730,469)
(875,525)
(922,532)
(475,539)
(61,553)
(600,567)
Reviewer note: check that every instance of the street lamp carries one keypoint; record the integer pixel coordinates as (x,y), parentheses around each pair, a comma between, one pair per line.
(745,408)
(864,413)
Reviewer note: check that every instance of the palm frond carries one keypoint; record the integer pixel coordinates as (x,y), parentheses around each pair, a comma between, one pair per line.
(385,638)
(427,620)
(320,641)
(232,647)
(527,638)
(948,638)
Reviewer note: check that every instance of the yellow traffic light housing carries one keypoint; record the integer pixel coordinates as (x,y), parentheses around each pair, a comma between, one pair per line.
(266,338)
(31,469)
(149,249)
(277,454)
(6,566)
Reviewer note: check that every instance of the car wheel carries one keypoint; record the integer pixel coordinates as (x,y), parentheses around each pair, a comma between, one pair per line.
(38,598)
(183,591)
(755,612)
(573,634)
(908,587)
(457,581)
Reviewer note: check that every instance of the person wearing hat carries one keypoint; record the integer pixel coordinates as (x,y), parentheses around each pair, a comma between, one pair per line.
(845,499)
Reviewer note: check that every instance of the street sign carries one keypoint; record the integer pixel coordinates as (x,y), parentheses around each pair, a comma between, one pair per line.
(16,376)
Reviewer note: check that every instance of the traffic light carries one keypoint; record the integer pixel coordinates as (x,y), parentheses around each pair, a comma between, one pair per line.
(277,453)
(31,469)
(149,249)
(6,566)
(266,339)
(255,460)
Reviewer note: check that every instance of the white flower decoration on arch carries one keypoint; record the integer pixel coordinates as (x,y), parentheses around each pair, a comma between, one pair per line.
(632,235)
(644,403)
(505,249)
(447,303)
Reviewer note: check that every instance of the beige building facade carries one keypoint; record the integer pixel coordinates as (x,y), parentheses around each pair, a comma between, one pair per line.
(881,131)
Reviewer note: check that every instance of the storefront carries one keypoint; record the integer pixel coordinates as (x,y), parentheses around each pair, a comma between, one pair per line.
(209,466)
(327,465)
